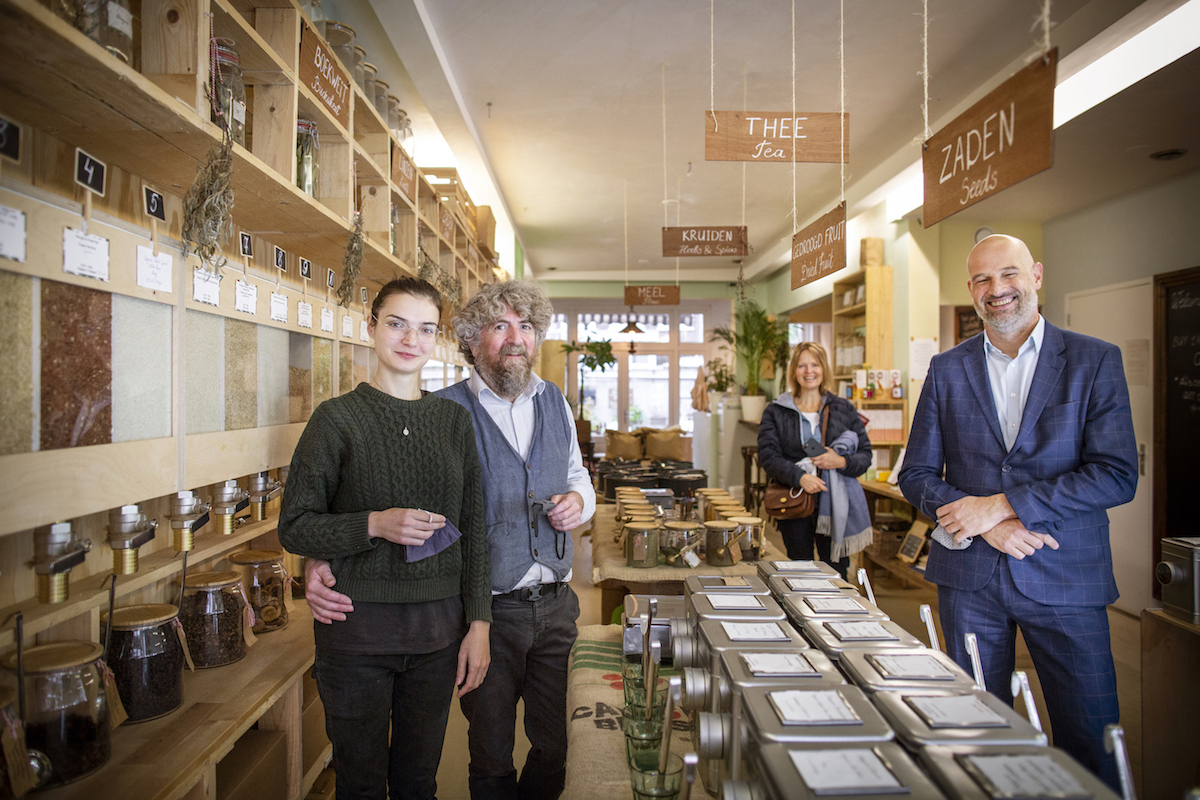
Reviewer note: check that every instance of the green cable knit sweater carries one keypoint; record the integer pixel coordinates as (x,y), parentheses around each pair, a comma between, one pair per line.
(368,451)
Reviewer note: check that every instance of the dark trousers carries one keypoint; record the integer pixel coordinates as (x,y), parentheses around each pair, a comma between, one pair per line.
(361,693)
(799,536)
(1070,649)
(531,643)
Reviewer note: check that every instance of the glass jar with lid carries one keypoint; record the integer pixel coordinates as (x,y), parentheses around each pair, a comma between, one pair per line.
(214,615)
(229,107)
(754,537)
(341,41)
(316,14)
(360,58)
(719,534)
(678,543)
(108,23)
(66,710)
(266,583)
(641,544)
(146,656)
(381,96)
(403,129)
(368,85)
(308,170)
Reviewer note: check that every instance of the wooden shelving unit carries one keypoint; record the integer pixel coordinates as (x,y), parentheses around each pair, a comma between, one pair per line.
(865,321)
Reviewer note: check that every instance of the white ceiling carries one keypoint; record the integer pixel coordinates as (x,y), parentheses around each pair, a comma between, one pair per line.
(555,109)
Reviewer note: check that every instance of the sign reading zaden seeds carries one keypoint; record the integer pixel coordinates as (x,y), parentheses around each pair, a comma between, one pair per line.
(322,73)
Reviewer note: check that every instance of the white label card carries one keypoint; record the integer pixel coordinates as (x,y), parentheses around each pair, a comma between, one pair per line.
(84,254)
(1027,776)
(12,234)
(120,18)
(754,631)
(347,326)
(956,711)
(911,666)
(245,297)
(206,287)
(825,707)
(363,333)
(154,271)
(279,309)
(304,314)
(811,585)
(784,664)
(691,559)
(861,631)
(327,320)
(239,111)
(728,602)
(835,605)
(850,771)
(796,566)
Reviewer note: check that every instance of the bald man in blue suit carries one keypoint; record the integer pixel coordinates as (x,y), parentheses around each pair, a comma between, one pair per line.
(1032,427)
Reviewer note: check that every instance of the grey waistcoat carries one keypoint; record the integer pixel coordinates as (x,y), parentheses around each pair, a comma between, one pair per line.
(517,535)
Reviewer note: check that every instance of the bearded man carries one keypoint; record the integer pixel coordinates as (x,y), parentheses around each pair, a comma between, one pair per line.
(1032,427)
(535,490)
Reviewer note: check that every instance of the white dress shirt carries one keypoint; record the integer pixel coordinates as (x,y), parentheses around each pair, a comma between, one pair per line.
(1010,379)
(516,421)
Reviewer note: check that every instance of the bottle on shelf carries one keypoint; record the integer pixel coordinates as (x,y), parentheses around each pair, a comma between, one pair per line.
(109,23)
(317,15)
(307,168)
(229,106)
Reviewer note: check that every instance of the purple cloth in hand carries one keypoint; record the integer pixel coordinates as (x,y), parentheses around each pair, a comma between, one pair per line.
(441,539)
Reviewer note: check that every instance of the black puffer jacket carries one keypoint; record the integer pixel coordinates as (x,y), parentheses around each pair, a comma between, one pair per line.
(780,445)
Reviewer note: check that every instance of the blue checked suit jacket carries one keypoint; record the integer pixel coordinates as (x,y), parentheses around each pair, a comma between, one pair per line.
(1074,457)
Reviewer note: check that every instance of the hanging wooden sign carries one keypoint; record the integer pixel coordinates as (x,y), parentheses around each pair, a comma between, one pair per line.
(472,256)
(446,223)
(651,295)
(1001,140)
(404,172)
(729,240)
(322,73)
(817,136)
(819,249)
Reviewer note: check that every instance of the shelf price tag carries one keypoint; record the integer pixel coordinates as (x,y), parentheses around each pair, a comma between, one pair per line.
(153,271)
(206,287)
(304,314)
(362,331)
(12,234)
(90,172)
(245,297)
(279,308)
(327,320)
(85,254)
(347,327)
(10,140)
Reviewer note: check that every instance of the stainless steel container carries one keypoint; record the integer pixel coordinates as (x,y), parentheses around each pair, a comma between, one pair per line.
(835,637)
(847,604)
(893,669)
(949,717)
(729,584)
(826,714)
(701,646)
(796,569)
(1179,574)
(746,607)
(821,585)
(961,771)
(637,607)
(778,776)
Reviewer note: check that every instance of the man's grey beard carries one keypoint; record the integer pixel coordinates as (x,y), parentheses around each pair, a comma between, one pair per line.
(1005,323)
(507,379)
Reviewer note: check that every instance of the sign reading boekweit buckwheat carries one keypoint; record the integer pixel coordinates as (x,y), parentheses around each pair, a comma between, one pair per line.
(818,136)
(651,295)
(404,172)
(322,73)
(693,240)
(1003,139)
(819,249)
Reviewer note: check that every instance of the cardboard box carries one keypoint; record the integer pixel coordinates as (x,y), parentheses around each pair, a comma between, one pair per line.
(255,769)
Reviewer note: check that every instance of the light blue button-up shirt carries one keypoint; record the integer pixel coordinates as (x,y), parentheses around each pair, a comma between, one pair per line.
(1010,379)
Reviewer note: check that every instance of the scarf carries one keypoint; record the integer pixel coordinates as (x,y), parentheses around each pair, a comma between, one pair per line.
(842,511)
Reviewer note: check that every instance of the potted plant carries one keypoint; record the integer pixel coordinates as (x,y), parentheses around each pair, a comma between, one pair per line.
(754,337)
(593,355)
(720,379)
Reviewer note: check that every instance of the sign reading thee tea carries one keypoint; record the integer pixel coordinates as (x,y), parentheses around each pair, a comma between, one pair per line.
(404,172)
(651,295)
(706,241)
(819,249)
(821,136)
(1001,140)
(322,73)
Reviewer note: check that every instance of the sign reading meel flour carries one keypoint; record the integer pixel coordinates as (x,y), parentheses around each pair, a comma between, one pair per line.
(651,295)
(1001,140)
(709,241)
(322,73)
(819,249)
(771,136)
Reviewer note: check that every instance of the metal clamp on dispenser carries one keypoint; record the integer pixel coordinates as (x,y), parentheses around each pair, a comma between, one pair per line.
(188,514)
(128,529)
(263,489)
(228,501)
(56,551)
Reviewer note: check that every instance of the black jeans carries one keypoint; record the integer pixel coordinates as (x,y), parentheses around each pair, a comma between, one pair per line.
(531,644)
(799,535)
(361,693)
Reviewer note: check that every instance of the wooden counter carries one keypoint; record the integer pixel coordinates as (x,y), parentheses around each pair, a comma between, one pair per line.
(1170,704)
(881,556)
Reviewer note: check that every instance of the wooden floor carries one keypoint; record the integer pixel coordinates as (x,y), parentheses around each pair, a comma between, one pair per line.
(900,603)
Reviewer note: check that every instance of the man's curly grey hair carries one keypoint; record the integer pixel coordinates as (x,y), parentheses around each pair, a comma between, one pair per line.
(527,299)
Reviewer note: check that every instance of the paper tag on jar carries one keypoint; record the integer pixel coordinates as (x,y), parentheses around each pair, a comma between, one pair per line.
(187,651)
(116,709)
(248,628)
(691,559)
(21,779)
(735,552)
(120,19)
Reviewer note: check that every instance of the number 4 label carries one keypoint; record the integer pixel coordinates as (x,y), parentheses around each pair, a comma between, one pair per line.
(90,172)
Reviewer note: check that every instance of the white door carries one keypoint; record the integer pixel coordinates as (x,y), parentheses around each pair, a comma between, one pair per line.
(1124,315)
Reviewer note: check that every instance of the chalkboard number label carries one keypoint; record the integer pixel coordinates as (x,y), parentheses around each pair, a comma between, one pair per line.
(10,140)
(247,244)
(330,279)
(306,269)
(363,294)
(155,207)
(280,259)
(90,172)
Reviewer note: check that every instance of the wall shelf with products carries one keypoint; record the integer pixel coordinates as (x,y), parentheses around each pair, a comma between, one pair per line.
(862,321)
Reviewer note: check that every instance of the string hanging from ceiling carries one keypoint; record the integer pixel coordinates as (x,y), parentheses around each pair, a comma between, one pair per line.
(841,90)
(795,225)
(712,67)
(1044,20)
(925,131)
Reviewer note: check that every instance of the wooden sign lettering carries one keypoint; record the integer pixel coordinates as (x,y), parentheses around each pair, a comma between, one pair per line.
(323,74)
(446,223)
(1001,140)
(404,172)
(472,256)
(819,249)
(651,295)
(771,135)
(153,204)
(704,241)
(306,269)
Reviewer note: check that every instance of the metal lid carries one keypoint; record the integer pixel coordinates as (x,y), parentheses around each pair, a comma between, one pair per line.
(247,557)
(212,580)
(129,618)
(55,657)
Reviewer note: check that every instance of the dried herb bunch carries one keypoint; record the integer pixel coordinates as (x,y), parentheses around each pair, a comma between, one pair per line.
(351,264)
(208,207)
